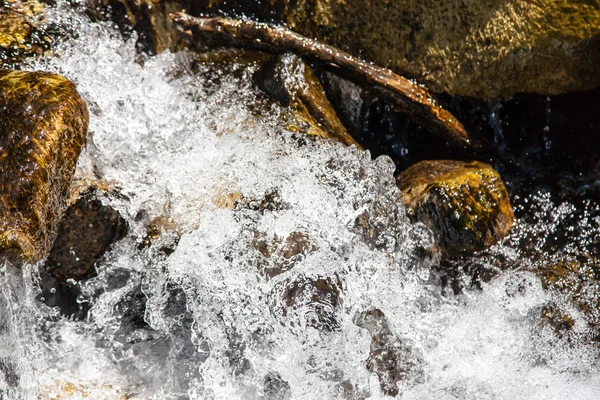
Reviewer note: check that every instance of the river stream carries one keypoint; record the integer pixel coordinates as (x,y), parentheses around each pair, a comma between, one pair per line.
(205,312)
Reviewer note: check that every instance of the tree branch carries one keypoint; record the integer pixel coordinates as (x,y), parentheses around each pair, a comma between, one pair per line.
(408,96)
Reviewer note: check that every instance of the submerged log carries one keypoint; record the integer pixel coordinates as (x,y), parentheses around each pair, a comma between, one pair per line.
(408,96)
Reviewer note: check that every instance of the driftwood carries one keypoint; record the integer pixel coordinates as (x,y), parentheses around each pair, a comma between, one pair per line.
(406,95)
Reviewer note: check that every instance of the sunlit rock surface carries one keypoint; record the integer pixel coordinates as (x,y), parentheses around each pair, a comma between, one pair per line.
(291,81)
(465,204)
(25,31)
(43,128)
(492,49)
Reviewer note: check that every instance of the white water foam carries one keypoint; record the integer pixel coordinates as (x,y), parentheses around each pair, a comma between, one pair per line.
(181,140)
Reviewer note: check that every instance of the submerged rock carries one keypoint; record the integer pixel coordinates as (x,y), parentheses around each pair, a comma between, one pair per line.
(390,358)
(43,128)
(275,388)
(579,280)
(313,302)
(465,204)
(87,230)
(292,82)
(280,255)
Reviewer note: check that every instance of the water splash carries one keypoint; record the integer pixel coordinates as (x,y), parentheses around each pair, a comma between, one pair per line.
(280,244)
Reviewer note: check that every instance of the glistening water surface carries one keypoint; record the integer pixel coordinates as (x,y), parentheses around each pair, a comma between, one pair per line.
(281,250)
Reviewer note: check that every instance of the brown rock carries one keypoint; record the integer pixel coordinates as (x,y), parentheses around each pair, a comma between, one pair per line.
(22,31)
(389,357)
(281,255)
(292,82)
(578,278)
(317,298)
(465,204)
(491,49)
(87,230)
(43,127)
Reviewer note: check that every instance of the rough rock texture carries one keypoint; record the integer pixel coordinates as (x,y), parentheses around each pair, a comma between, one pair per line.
(290,81)
(579,279)
(483,49)
(465,204)
(389,357)
(86,231)
(23,30)
(463,47)
(43,128)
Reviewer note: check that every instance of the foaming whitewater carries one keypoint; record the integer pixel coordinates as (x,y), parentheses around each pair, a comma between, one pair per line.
(277,246)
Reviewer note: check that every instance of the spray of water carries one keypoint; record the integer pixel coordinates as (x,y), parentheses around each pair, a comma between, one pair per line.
(280,246)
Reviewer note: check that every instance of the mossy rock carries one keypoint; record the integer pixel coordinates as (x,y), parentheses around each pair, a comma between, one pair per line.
(482,49)
(465,204)
(43,128)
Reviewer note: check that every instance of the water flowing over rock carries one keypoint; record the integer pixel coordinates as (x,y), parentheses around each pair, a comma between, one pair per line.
(262,263)
(43,128)
(392,360)
(492,49)
(292,82)
(465,204)
(86,231)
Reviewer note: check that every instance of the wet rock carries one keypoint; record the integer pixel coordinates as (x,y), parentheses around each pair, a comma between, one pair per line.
(276,388)
(389,357)
(494,49)
(578,278)
(465,204)
(468,48)
(292,82)
(279,255)
(87,230)
(67,297)
(314,300)
(43,127)
(23,31)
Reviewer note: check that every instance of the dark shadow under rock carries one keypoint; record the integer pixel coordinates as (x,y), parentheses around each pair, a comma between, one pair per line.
(87,230)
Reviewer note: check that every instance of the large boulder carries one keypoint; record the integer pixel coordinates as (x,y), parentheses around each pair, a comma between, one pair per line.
(463,47)
(465,204)
(43,128)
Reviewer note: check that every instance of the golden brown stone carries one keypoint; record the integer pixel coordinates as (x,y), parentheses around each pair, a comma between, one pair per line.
(292,82)
(465,204)
(22,30)
(43,127)
(485,49)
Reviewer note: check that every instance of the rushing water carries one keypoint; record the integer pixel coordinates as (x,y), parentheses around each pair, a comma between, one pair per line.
(225,312)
